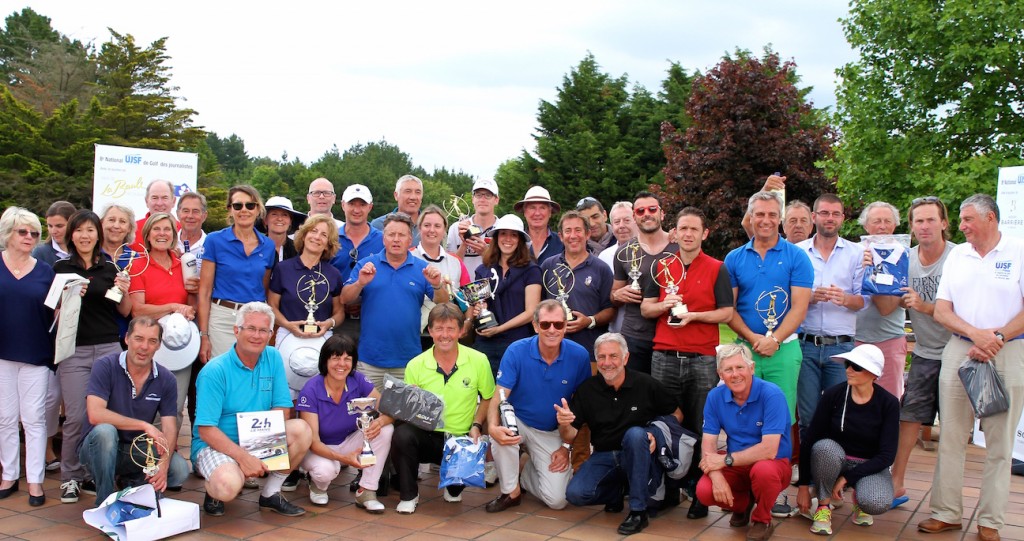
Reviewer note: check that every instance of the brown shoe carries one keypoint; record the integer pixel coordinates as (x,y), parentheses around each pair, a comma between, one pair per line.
(934,525)
(740,519)
(502,503)
(988,534)
(760,531)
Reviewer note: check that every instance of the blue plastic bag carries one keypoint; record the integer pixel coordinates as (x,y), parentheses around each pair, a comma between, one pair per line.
(462,462)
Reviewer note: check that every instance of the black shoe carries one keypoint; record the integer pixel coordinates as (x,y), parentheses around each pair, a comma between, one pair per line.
(614,507)
(503,502)
(354,485)
(697,510)
(88,487)
(292,481)
(69,491)
(279,505)
(214,508)
(635,522)
(36,501)
(9,490)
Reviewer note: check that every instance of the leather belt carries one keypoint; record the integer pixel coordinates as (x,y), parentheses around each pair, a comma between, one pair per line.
(227,304)
(824,340)
(683,354)
(353,312)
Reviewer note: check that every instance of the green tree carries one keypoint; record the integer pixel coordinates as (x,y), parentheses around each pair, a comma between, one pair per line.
(230,152)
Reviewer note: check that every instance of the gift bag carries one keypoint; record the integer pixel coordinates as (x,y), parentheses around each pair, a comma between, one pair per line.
(462,462)
(984,387)
(404,402)
(890,264)
(133,514)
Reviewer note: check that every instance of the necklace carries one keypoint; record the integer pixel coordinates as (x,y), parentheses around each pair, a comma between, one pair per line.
(20,268)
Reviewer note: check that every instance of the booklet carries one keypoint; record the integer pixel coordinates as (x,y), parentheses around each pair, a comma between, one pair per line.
(261,433)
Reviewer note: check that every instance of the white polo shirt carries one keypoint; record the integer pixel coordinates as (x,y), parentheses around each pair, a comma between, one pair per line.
(986,292)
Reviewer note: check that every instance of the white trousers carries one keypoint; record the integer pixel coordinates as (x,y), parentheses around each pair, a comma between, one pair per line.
(323,470)
(537,479)
(23,398)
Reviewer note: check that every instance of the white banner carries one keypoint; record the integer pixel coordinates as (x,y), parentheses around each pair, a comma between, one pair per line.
(122,174)
(1010,197)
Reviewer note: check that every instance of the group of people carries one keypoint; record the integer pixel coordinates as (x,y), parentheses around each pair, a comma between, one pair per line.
(592,334)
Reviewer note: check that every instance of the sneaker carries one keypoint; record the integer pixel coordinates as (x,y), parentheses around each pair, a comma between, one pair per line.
(822,521)
(214,508)
(782,509)
(860,518)
(367,499)
(794,477)
(408,507)
(451,498)
(88,487)
(279,505)
(317,496)
(251,482)
(69,491)
(809,515)
(490,474)
(53,465)
(292,481)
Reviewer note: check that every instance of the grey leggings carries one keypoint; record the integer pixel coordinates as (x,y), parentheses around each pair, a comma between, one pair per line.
(829,461)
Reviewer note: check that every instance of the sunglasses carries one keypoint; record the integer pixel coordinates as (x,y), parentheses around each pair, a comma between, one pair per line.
(248,206)
(925,199)
(545,325)
(28,232)
(854,366)
(640,211)
(586,202)
(353,256)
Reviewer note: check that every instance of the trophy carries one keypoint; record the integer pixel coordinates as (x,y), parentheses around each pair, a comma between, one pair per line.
(768,306)
(478,291)
(668,272)
(306,289)
(457,209)
(558,282)
(630,255)
(147,450)
(363,409)
(126,268)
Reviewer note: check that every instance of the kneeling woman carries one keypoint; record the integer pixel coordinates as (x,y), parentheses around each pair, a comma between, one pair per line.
(323,404)
(851,443)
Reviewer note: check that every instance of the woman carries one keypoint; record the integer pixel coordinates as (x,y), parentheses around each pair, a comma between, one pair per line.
(515,283)
(98,335)
(281,221)
(323,404)
(246,256)
(26,351)
(308,275)
(851,443)
(118,229)
(433,232)
(160,289)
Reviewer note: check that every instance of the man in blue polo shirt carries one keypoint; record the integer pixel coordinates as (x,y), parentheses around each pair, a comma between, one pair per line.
(126,392)
(755,467)
(535,374)
(356,240)
(392,285)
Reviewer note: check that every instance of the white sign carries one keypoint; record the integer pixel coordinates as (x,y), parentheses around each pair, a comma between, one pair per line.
(121,175)
(1010,197)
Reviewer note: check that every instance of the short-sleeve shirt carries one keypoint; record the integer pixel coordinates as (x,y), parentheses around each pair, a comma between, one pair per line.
(239,277)
(591,292)
(98,320)
(634,324)
(225,387)
(296,284)
(509,297)
(535,386)
(930,336)
(784,267)
(986,292)
(764,413)
(25,321)
(471,377)
(610,412)
(470,258)
(552,246)
(334,420)
(160,285)
(110,381)
(372,243)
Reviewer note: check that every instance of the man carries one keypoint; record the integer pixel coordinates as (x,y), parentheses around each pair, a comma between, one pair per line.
(248,378)
(357,240)
(981,301)
(929,225)
(639,254)
(591,281)
(601,236)
(126,392)
(624,228)
(192,213)
(470,249)
(321,198)
(684,348)
(798,225)
(617,405)
(771,282)
(883,319)
(409,196)
(459,375)
(392,285)
(159,198)
(755,467)
(537,207)
(536,373)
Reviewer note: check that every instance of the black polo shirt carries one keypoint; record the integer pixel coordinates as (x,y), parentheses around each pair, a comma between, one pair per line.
(611,413)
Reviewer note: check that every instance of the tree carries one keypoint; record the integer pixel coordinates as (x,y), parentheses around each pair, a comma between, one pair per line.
(749,120)
(230,152)
(934,103)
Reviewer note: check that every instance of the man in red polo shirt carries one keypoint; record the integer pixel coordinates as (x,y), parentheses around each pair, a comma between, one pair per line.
(159,198)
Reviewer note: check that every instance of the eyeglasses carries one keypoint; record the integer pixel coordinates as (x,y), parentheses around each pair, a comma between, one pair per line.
(925,199)
(251,205)
(545,325)
(826,214)
(640,211)
(856,367)
(28,232)
(483,194)
(586,202)
(256,330)
(321,193)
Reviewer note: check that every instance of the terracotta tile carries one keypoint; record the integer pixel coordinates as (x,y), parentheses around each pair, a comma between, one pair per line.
(240,528)
(352,512)
(586,532)
(291,534)
(61,532)
(461,529)
(425,536)
(511,535)
(539,525)
(376,532)
(416,521)
(494,519)
(17,524)
(326,524)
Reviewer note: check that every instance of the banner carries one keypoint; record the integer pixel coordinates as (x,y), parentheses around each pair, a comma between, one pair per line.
(121,175)
(1010,197)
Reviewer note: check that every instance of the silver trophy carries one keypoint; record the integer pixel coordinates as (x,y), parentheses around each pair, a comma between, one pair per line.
(668,272)
(363,409)
(312,289)
(769,305)
(480,291)
(558,282)
(127,264)
(632,256)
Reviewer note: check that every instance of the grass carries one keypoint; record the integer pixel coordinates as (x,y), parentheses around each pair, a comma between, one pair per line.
(727,336)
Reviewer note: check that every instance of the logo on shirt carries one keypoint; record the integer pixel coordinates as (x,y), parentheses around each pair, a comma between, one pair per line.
(588,281)
(497,377)
(565,382)
(302,400)
(153,397)
(465,383)
(759,423)
(413,284)
(632,408)
(1003,269)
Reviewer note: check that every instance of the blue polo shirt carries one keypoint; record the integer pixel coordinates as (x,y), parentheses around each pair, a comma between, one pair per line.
(552,246)
(591,292)
(509,297)
(784,266)
(110,381)
(372,243)
(390,332)
(285,280)
(765,412)
(225,387)
(536,386)
(239,277)
(334,420)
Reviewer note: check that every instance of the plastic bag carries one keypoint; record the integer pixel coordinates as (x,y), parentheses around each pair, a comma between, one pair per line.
(462,462)
(414,405)
(984,387)
(890,255)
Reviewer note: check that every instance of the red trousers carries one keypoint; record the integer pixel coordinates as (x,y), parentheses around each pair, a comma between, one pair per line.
(763,481)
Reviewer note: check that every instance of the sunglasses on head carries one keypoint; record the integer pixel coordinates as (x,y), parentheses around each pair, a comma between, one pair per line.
(28,232)
(353,256)
(248,206)
(640,211)
(925,199)
(545,325)
(586,202)
(856,367)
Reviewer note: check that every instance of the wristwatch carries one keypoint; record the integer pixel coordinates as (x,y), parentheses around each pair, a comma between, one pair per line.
(728,459)
(1000,336)
(568,446)
(593,322)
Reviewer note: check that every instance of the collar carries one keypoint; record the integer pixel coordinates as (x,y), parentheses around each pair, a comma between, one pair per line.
(122,360)
(755,392)
(382,257)
(586,262)
(61,254)
(535,350)
(778,245)
(626,383)
(421,253)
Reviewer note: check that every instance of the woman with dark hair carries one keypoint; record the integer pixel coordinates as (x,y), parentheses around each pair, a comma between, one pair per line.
(515,283)
(97,336)
(337,440)
(55,246)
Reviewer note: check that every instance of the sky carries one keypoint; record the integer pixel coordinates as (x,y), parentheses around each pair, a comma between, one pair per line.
(452,84)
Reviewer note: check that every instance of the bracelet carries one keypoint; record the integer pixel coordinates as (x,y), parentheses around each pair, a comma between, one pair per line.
(204,333)
(333,323)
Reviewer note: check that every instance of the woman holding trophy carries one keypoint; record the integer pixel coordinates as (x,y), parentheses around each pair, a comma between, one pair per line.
(338,405)
(433,232)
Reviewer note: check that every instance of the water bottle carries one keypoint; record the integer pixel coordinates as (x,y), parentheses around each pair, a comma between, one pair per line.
(189,264)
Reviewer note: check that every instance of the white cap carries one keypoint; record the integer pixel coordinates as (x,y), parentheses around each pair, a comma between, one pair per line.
(486,184)
(866,356)
(357,191)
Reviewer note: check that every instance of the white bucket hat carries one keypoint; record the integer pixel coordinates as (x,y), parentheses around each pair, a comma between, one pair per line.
(180,344)
(866,356)
(509,222)
(537,194)
(301,359)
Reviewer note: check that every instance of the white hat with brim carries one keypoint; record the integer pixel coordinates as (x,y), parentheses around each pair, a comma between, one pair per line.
(285,204)
(537,194)
(508,222)
(301,359)
(866,356)
(180,344)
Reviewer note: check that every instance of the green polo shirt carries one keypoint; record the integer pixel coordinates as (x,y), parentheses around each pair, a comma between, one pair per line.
(471,378)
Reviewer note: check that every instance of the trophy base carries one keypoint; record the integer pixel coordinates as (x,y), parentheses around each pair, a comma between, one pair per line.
(473,231)
(114,294)
(675,315)
(367,460)
(485,322)
(309,328)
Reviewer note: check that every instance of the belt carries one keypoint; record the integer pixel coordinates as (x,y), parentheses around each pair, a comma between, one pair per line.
(353,313)
(825,340)
(227,304)
(683,354)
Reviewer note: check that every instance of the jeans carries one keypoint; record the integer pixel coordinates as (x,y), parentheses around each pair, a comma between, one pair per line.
(105,456)
(640,352)
(600,479)
(817,372)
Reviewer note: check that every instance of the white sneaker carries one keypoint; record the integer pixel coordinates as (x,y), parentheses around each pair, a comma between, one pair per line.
(448,497)
(408,507)
(810,510)
(367,499)
(317,496)
(794,477)
(860,518)
(490,474)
